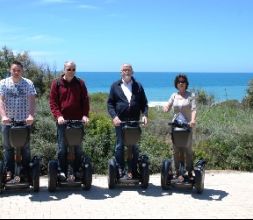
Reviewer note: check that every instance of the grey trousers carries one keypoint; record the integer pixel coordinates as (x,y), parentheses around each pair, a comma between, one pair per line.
(182,149)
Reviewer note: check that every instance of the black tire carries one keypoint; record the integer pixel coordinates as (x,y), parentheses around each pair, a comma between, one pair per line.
(166,172)
(36,175)
(1,176)
(145,176)
(112,174)
(87,181)
(199,180)
(52,175)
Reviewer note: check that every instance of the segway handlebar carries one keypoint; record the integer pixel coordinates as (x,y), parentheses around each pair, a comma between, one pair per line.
(73,121)
(180,125)
(17,123)
(132,122)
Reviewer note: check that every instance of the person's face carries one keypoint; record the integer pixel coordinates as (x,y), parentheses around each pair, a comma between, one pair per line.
(70,70)
(181,84)
(16,71)
(127,73)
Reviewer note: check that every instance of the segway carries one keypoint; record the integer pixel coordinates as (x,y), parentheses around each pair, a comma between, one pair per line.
(170,177)
(131,136)
(74,133)
(19,136)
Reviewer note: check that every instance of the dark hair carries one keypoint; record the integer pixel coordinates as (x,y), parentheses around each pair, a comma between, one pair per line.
(17,63)
(181,75)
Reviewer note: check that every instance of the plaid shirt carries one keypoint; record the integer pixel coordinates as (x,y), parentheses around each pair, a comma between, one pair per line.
(16,97)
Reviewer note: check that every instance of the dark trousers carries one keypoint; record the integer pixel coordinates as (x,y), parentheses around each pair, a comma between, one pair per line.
(62,151)
(9,152)
(120,152)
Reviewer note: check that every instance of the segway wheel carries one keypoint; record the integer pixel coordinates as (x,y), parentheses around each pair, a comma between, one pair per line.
(112,174)
(165,174)
(87,174)
(52,176)
(199,180)
(36,175)
(1,176)
(145,176)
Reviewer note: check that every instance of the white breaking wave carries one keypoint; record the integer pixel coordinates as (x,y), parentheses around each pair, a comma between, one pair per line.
(156,104)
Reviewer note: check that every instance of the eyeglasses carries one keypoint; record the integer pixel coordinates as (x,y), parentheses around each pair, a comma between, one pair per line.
(126,70)
(71,70)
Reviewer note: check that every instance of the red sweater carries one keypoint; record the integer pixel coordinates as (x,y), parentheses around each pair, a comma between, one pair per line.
(69,99)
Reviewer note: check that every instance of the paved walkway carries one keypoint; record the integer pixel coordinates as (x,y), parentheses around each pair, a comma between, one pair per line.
(227,195)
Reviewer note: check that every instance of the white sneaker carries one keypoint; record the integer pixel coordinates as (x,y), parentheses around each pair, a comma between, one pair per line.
(71,178)
(62,176)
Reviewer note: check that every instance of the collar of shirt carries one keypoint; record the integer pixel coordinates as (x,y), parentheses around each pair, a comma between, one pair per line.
(127,89)
(127,84)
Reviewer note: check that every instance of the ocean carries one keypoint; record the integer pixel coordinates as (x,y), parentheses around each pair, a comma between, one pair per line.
(159,86)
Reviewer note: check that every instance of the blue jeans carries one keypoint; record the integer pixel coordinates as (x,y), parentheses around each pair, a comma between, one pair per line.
(120,149)
(62,151)
(9,151)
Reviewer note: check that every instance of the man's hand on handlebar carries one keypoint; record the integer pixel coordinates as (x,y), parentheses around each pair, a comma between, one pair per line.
(29,120)
(6,120)
(116,121)
(61,120)
(85,120)
(145,120)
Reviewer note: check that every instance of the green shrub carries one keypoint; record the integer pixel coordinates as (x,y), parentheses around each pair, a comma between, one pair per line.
(248,100)
(156,150)
(203,98)
(99,142)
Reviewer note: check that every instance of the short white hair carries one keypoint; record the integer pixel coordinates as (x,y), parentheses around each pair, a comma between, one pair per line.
(126,65)
(69,63)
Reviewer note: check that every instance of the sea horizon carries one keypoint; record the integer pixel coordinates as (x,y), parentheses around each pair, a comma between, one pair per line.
(159,86)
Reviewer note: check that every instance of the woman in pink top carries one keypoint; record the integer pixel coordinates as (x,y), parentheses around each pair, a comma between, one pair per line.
(183,102)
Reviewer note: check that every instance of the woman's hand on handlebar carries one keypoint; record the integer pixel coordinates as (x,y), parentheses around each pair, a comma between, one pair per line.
(192,124)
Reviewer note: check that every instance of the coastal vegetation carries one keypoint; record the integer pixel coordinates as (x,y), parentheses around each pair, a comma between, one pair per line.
(223,136)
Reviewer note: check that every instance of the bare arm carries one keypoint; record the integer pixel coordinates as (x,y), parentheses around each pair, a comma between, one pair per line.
(32,108)
(2,107)
(169,104)
(32,105)
(167,107)
(4,117)
(193,121)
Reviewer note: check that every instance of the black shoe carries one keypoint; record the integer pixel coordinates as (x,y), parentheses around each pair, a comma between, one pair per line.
(190,176)
(136,175)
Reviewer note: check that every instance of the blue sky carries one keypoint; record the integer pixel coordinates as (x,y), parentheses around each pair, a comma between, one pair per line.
(152,35)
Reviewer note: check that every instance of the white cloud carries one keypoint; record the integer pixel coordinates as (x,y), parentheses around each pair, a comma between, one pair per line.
(41,54)
(7,29)
(56,1)
(44,39)
(88,7)
(111,1)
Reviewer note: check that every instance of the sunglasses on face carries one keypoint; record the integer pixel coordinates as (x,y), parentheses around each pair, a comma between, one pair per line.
(181,82)
(71,70)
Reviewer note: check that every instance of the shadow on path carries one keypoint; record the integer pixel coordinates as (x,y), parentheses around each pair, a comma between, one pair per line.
(100,193)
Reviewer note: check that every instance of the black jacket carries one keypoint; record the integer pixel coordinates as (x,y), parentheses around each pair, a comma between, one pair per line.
(118,104)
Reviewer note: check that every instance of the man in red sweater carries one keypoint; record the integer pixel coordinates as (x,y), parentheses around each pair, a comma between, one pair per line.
(68,101)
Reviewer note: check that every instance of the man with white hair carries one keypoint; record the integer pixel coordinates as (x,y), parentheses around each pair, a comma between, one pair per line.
(126,102)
